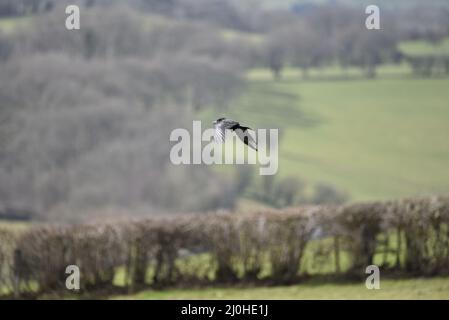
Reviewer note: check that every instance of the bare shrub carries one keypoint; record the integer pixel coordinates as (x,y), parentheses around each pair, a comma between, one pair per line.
(423,224)
(8,239)
(229,247)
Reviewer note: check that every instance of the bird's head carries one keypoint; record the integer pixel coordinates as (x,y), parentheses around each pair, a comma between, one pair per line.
(218,120)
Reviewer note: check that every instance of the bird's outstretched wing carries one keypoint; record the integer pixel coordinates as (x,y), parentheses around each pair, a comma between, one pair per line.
(247,136)
(220,128)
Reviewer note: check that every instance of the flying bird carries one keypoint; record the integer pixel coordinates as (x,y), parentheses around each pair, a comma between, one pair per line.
(223,124)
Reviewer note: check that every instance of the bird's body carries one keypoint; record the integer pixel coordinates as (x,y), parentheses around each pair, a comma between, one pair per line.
(223,124)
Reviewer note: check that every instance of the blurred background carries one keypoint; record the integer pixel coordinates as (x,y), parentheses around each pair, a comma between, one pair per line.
(85,115)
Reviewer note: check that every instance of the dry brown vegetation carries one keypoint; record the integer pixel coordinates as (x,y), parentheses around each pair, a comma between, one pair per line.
(198,249)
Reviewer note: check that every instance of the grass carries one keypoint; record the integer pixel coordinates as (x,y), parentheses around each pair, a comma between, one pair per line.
(333,72)
(423,48)
(361,4)
(252,38)
(14,225)
(434,288)
(8,25)
(376,139)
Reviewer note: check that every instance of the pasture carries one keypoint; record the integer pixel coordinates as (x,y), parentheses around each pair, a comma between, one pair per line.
(420,288)
(375,139)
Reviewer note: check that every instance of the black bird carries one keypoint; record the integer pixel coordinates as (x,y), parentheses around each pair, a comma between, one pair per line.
(223,124)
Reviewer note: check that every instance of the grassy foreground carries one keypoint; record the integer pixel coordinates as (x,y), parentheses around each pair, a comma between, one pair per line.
(434,288)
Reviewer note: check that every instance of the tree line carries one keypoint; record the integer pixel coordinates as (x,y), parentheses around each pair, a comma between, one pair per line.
(330,35)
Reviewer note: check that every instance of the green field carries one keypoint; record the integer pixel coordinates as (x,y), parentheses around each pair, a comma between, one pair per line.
(420,48)
(435,288)
(376,139)
(14,225)
(10,24)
